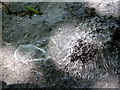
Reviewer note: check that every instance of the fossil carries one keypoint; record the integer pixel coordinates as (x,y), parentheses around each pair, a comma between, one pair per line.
(83,51)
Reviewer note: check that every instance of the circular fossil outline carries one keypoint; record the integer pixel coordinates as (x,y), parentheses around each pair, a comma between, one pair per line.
(28,45)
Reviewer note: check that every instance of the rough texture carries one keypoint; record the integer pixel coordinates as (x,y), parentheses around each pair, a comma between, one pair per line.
(69,45)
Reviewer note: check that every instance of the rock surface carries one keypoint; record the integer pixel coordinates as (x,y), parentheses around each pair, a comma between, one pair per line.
(70,45)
